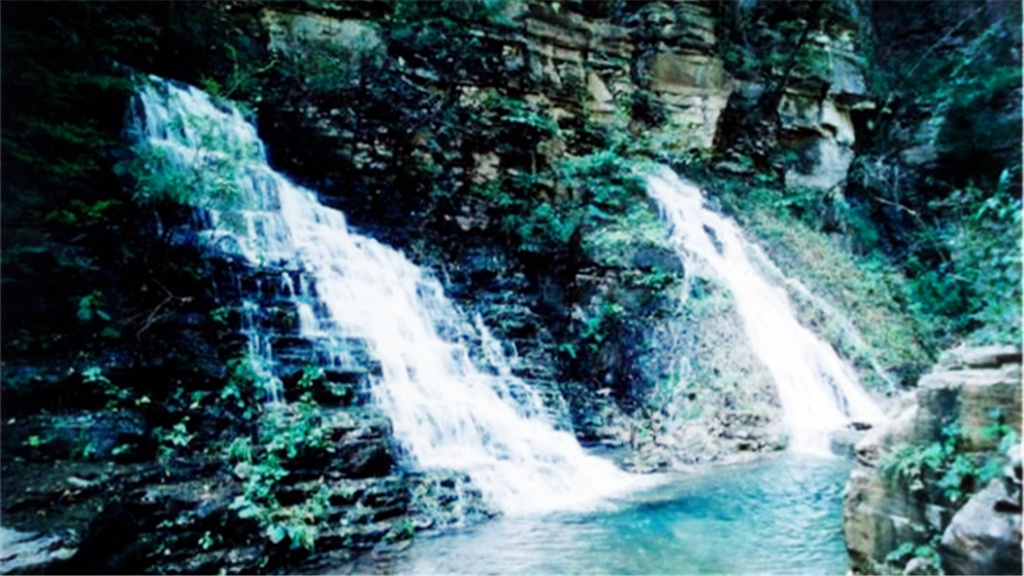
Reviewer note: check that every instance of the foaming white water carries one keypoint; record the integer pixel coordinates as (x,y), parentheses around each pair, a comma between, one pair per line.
(819,391)
(446,411)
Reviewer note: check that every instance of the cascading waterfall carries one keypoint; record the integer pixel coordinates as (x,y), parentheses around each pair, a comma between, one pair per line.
(446,412)
(819,392)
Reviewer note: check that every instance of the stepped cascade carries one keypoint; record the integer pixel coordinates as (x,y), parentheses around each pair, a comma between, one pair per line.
(819,392)
(447,411)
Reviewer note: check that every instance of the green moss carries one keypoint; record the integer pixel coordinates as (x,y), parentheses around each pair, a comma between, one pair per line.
(720,367)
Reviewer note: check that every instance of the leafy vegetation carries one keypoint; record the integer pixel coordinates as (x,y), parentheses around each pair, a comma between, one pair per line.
(928,552)
(947,210)
(285,434)
(976,287)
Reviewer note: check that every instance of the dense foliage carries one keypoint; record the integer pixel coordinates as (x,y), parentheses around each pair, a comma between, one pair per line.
(952,224)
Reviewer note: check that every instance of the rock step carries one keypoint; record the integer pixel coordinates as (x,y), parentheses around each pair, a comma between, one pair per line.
(360,537)
(979,357)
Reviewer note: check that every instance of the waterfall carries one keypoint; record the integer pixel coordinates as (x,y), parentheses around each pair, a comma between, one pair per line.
(447,411)
(819,391)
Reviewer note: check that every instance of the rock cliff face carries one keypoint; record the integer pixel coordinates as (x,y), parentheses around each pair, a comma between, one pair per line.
(795,104)
(657,66)
(677,71)
(921,481)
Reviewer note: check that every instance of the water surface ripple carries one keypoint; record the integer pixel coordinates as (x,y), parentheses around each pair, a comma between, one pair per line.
(780,515)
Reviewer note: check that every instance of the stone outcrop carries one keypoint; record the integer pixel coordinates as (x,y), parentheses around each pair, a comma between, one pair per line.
(570,62)
(980,388)
(800,120)
(677,66)
(984,537)
(816,121)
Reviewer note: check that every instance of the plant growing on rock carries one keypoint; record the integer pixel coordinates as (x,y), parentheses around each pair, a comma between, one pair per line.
(286,434)
(924,556)
(941,464)
(944,473)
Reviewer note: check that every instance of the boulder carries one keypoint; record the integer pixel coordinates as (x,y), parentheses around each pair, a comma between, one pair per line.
(985,535)
(972,393)
(876,519)
(844,442)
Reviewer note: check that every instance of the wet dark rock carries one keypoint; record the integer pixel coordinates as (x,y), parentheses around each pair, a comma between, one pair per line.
(365,458)
(358,445)
(843,442)
(441,499)
(335,389)
(34,552)
(294,350)
(332,393)
(122,435)
(363,448)
(650,258)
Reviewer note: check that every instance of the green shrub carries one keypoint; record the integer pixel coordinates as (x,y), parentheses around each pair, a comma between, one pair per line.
(285,434)
(983,270)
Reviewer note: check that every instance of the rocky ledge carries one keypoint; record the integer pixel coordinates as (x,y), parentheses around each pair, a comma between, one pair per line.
(66,511)
(939,487)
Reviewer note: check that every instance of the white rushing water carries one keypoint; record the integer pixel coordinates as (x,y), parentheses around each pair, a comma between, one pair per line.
(446,411)
(819,392)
